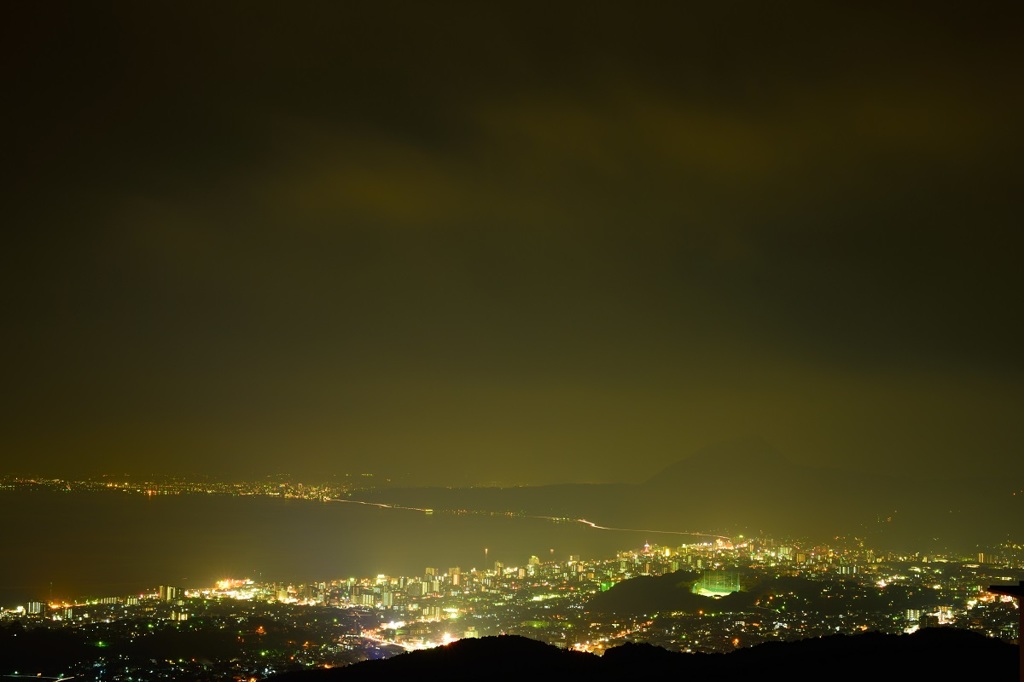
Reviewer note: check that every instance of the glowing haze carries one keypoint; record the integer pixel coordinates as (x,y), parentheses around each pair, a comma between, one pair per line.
(509,243)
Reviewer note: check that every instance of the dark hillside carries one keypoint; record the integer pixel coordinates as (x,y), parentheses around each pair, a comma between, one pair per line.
(937,655)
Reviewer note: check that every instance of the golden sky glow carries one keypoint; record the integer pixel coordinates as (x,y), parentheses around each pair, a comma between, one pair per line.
(509,243)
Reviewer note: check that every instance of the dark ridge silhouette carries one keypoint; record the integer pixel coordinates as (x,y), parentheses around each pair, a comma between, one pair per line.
(740,455)
(490,658)
(937,655)
(746,486)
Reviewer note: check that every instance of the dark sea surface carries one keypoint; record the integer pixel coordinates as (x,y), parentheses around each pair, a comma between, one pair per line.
(71,545)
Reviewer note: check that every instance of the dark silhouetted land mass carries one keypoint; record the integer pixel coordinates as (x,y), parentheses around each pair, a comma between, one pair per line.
(747,486)
(937,654)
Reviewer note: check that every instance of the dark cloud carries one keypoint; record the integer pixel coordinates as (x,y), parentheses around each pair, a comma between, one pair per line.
(527,242)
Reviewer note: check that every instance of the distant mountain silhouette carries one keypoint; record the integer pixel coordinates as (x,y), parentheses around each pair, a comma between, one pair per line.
(747,486)
(743,454)
(937,655)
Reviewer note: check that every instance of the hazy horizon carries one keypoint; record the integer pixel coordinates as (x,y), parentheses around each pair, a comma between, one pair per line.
(377,475)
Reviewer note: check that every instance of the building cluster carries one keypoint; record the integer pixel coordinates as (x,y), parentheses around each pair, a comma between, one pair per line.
(741,593)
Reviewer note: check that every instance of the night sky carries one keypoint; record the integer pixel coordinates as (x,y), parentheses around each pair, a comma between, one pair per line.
(509,242)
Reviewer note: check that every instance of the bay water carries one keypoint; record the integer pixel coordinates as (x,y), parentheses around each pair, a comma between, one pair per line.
(64,546)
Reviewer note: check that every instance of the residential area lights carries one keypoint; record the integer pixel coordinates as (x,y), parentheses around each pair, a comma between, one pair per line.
(788,590)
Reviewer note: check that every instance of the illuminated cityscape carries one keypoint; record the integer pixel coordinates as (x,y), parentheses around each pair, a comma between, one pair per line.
(274,487)
(337,330)
(709,596)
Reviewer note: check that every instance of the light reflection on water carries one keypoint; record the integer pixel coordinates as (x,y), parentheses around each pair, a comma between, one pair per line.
(111,544)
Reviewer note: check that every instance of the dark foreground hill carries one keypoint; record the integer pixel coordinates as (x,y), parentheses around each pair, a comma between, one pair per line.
(937,655)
